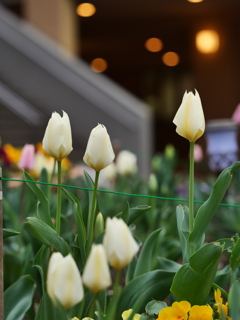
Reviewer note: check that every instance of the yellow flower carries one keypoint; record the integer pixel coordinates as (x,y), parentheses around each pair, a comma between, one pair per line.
(189,118)
(178,311)
(13,154)
(201,313)
(219,304)
(127,313)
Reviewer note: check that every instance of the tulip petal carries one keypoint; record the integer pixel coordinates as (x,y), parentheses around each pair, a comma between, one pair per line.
(99,152)
(189,118)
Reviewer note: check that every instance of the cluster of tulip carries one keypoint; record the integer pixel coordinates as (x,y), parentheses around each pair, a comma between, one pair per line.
(65,266)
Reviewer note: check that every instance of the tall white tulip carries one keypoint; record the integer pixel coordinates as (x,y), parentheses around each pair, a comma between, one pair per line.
(99,152)
(64,282)
(57,141)
(189,118)
(126,163)
(119,243)
(96,274)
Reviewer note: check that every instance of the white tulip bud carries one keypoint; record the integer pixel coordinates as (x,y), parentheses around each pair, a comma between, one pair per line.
(57,141)
(64,282)
(99,152)
(189,118)
(96,274)
(119,243)
(126,163)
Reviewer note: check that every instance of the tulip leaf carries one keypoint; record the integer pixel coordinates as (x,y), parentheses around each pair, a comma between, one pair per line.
(44,178)
(41,261)
(18,298)
(209,207)
(43,211)
(81,230)
(144,262)
(45,234)
(223,277)
(90,185)
(9,233)
(193,280)
(234,299)
(166,264)
(125,213)
(152,285)
(183,230)
(137,212)
(235,256)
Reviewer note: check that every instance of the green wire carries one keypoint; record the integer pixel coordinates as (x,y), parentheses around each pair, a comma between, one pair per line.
(116,192)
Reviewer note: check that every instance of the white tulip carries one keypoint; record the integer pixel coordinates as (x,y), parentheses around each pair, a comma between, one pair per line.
(189,118)
(99,152)
(126,163)
(96,274)
(57,141)
(119,243)
(64,282)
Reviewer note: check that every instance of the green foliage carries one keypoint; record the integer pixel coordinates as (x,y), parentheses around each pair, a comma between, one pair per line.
(193,280)
(18,298)
(43,211)
(144,261)
(9,233)
(45,234)
(155,284)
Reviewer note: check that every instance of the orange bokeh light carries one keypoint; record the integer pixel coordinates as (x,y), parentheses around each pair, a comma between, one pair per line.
(86,10)
(99,65)
(170,59)
(153,44)
(207,41)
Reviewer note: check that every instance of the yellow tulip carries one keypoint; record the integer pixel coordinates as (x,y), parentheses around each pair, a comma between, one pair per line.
(189,118)
(57,140)
(99,152)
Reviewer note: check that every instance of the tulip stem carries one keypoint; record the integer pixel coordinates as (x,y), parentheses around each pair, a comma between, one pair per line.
(117,281)
(191,193)
(59,196)
(91,219)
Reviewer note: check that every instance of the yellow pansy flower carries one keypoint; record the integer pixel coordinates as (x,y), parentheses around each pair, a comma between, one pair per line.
(201,313)
(178,311)
(127,313)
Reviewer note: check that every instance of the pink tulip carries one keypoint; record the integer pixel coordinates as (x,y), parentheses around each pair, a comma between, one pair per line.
(27,159)
(236,114)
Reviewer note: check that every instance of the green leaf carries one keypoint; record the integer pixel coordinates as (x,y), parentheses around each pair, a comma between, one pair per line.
(42,232)
(9,233)
(208,208)
(234,301)
(44,178)
(137,212)
(223,277)
(166,264)
(144,262)
(18,298)
(193,280)
(183,230)
(43,211)
(151,285)
(41,261)
(235,256)
(125,213)
(154,307)
(81,230)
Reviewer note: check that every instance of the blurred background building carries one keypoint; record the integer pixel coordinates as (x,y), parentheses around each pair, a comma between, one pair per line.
(137,59)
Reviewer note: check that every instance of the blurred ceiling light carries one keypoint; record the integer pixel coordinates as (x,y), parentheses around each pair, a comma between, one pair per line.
(86,10)
(195,1)
(207,41)
(170,59)
(153,44)
(99,65)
